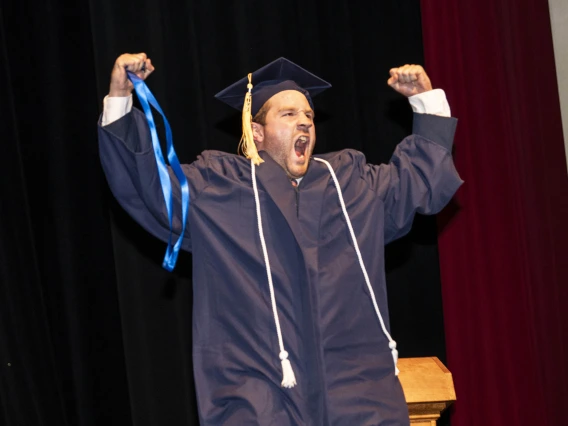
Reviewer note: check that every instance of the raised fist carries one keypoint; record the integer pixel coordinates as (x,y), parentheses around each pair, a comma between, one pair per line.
(137,63)
(409,80)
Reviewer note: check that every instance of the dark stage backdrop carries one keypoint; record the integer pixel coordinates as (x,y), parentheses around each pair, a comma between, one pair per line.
(92,330)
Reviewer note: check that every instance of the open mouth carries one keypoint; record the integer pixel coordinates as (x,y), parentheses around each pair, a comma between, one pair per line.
(301,145)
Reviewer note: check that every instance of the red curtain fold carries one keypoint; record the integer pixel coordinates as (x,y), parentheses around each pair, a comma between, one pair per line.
(503,242)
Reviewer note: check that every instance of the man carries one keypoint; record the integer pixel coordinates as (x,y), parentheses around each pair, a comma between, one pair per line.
(290,323)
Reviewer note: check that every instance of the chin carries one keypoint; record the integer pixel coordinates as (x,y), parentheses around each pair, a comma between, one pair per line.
(297,172)
(300,169)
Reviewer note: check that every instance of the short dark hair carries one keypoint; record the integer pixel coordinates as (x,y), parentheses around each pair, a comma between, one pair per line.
(260,116)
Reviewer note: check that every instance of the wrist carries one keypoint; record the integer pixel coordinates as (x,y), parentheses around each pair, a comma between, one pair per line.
(431,102)
(118,93)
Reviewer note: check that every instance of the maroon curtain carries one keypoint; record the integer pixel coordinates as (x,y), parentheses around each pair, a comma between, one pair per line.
(503,243)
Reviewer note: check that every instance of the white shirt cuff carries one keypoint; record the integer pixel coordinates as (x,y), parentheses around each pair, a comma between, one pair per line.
(115,108)
(431,102)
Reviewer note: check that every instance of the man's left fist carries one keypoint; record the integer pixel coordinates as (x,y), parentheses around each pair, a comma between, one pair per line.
(409,80)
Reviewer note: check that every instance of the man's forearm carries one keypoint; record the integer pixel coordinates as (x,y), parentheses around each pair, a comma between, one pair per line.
(433,102)
(114,108)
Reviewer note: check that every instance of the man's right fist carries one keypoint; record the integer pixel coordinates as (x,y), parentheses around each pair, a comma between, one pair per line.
(137,63)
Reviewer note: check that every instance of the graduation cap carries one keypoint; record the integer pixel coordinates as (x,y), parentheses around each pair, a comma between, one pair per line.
(269,80)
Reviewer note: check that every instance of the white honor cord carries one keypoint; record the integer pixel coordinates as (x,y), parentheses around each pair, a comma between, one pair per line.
(288,379)
(392,343)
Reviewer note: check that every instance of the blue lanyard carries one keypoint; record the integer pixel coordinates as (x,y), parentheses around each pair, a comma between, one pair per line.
(146,99)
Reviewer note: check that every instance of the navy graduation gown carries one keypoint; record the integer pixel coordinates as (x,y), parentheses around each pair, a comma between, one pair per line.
(340,356)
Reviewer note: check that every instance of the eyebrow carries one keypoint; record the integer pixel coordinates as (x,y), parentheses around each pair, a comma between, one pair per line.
(290,108)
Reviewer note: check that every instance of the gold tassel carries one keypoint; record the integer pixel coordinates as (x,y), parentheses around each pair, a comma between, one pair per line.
(247,145)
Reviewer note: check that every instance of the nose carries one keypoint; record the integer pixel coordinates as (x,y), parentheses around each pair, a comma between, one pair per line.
(304,123)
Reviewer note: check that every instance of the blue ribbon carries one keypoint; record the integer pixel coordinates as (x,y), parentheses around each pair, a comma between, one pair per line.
(146,99)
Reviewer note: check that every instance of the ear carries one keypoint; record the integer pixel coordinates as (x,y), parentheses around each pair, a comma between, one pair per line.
(257,133)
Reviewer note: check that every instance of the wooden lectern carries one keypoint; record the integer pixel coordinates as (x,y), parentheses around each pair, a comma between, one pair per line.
(428,388)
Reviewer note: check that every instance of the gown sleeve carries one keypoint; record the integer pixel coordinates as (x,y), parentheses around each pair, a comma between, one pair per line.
(127,158)
(420,176)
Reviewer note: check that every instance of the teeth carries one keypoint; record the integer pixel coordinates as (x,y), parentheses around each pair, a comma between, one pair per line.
(303,139)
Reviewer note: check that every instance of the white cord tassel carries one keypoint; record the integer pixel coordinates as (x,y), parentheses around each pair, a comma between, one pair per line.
(288,377)
(394,352)
(392,343)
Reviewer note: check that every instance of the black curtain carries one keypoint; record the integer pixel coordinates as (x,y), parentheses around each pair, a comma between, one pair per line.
(92,330)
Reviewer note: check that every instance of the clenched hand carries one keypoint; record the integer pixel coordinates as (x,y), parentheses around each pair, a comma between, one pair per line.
(137,63)
(409,80)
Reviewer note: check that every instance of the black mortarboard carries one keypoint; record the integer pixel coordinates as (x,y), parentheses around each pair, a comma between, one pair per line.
(271,79)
